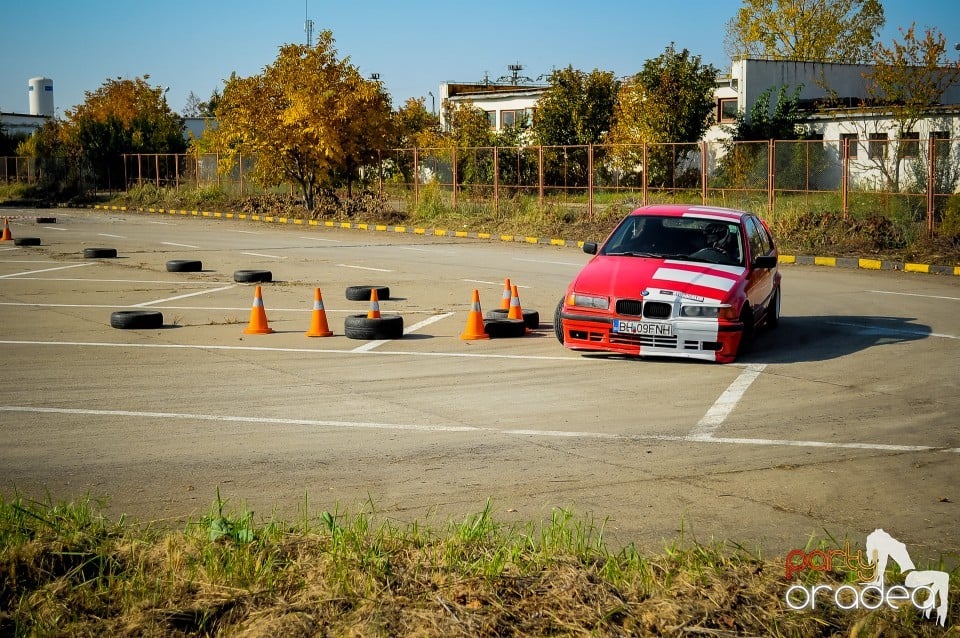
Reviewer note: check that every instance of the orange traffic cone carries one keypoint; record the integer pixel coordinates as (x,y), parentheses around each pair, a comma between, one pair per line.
(6,236)
(318,322)
(515,312)
(258,317)
(374,312)
(505,298)
(475,329)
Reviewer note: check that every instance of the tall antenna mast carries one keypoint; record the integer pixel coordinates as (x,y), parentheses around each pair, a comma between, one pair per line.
(307,23)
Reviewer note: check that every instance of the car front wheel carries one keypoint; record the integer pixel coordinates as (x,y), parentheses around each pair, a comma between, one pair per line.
(558,322)
(773,313)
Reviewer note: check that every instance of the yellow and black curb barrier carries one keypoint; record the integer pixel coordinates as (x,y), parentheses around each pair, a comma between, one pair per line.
(803,260)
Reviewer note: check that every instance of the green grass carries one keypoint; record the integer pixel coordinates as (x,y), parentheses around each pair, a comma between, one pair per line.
(65,569)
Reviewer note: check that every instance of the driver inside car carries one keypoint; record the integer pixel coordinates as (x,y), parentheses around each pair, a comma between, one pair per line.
(720,237)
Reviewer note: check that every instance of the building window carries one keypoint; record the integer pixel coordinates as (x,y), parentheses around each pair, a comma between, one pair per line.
(492,119)
(851,142)
(910,144)
(516,117)
(878,146)
(727,109)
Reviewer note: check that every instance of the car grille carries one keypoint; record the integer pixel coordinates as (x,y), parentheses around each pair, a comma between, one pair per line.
(656,310)
(648,309)
(629,307)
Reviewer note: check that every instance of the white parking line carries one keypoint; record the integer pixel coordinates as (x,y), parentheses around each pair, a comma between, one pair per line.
(109,235)
(336,241)
(170,243)
(370,345)
(185,346)
(191,294)
(723,406)
(489,283)
(55,228)
(245,232)
(262,255)
(120,281)
(34,272)
(28,261)
(10,248)
(541,261)
(364,268)
(422,427)
(428,250)
(913,294)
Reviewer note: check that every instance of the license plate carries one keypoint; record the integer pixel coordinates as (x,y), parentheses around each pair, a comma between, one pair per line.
(642,328)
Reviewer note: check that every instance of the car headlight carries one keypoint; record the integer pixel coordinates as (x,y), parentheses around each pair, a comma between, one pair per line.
(588,301)
(707,312)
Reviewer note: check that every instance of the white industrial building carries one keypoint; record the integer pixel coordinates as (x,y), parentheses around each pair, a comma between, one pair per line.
(40,98)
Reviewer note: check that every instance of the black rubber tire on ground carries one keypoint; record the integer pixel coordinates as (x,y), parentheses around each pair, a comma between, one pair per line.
(184,265)
(252,276)
(505,328)
(362,293)
(100,253)
(46,220)
(530,317)
(26,241)
(361,327)
(136,319)
(558,322)
(773,312)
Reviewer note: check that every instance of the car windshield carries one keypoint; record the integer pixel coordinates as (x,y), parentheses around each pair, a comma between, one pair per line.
(681,238)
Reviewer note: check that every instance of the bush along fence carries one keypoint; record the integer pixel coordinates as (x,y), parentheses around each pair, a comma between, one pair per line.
(912,182)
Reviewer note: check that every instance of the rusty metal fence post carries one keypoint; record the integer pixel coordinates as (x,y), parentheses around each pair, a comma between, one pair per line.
(844,176)
(931,184)
(590,182)
(643,177)
(454,166)
(704,150)
(540,174)
(771,174)
(496,179)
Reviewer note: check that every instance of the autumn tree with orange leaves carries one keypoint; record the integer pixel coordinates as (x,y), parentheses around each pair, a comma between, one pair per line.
(122,116)
(309,117)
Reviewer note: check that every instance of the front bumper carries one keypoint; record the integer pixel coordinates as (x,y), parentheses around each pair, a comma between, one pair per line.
(704,339)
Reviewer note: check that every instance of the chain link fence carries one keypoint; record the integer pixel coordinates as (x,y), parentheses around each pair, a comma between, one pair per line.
(911,181)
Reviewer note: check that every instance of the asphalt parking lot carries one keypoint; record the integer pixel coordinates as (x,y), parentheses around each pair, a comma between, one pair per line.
(843,420)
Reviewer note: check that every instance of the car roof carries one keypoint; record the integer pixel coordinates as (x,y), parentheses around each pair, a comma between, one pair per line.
(690,210)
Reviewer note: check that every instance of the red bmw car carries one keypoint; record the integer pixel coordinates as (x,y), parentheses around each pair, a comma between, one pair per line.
(674,281)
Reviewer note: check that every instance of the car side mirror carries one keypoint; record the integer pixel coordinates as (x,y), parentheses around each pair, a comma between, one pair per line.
(765,261)
(590,247)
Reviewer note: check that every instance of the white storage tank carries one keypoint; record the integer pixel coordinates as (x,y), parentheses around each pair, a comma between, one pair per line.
(41,96)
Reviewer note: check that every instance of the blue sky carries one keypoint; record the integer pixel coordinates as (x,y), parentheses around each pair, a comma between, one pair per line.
(414,45)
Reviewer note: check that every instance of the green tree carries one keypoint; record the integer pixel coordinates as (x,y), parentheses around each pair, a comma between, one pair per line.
(822,30)
(745,165)
(670,101)
(415,126)
(908,79)
(576,109)
(468,130)
(122,116)
(309,117)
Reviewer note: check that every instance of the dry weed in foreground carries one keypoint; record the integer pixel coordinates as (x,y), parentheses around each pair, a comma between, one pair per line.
(67,570)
